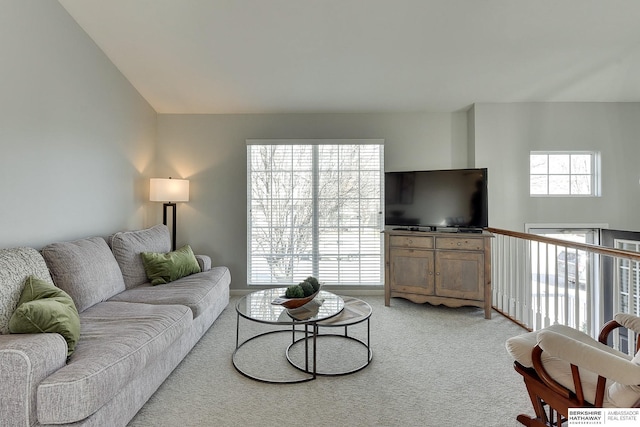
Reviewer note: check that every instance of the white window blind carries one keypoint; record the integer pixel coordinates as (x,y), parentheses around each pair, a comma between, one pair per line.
(627,280)
(315,209)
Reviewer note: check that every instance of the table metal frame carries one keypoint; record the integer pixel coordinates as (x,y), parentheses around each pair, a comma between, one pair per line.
(336,322)
(310,332)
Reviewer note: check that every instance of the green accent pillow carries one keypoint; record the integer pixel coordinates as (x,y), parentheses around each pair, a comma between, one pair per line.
(43,307)
(163,268)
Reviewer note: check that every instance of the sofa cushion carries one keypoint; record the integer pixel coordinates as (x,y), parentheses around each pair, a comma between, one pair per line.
(44,308)
(16,265)
(118,340)
(198,291)
(85,269)
(128,245)
(162,268)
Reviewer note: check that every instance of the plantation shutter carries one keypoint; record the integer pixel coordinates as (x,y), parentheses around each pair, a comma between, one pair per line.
(315,209)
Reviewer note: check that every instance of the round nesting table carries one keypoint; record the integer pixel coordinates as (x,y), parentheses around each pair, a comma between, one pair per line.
(257,307)
(355,311)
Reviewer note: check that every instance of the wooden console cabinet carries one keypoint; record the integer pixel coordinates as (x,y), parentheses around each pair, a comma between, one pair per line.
(453,269)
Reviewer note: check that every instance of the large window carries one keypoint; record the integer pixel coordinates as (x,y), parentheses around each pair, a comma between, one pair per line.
(555,173)
(315,208)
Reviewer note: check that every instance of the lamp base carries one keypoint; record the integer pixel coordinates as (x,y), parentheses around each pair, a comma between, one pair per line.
(173,223)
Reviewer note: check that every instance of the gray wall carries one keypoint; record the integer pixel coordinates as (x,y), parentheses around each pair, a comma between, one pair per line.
(505,133)
(210,150)
(77,140)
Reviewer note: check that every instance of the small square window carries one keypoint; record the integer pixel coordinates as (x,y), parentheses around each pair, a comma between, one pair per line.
(567,173)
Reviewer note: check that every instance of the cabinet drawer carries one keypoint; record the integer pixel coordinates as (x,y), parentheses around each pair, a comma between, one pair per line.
(458,243)
(425,242)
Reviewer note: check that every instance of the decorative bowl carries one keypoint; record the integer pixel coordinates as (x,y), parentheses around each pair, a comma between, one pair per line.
(294,302)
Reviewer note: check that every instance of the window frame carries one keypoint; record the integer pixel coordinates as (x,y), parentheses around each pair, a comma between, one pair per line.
(594,175)
(253,272)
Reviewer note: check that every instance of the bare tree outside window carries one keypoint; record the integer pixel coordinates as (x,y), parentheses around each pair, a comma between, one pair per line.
(315,210)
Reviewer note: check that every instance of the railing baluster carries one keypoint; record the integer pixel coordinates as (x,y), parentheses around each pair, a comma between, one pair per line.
(513,279)
(546,286)
(504,273)
(576,291)
(536,324)
(523,298)
(556,305)
(517,279)
(588,296)
(525,282)
(514,303)
(566,300)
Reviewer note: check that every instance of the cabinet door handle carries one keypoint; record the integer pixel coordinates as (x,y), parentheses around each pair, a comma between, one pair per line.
(459,243)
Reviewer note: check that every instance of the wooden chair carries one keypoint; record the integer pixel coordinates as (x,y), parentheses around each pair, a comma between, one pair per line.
(568,369)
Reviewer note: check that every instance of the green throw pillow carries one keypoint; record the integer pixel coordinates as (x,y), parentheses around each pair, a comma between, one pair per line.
(164,268)
(43,307)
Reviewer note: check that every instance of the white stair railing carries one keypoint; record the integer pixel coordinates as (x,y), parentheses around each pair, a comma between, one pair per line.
(538,281)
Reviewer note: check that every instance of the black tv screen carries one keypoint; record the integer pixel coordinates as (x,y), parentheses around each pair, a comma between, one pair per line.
(438,198)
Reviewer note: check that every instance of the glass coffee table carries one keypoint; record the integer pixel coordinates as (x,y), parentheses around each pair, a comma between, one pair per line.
(355,311)
(257,307)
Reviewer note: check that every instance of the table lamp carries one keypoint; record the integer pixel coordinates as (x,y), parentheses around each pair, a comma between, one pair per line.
(169,191)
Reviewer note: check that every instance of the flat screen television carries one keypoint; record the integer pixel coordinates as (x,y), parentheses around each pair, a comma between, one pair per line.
(437,198)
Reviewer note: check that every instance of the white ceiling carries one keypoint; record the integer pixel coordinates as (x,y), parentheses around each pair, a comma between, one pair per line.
(271,56)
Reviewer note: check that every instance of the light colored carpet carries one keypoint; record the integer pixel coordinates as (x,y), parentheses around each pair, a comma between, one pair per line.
(432,366)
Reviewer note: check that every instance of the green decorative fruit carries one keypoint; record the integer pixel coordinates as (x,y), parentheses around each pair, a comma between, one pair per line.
(314,282)
(294,291)
(307,288)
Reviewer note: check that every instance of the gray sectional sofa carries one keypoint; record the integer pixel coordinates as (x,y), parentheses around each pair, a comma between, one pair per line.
(132,334)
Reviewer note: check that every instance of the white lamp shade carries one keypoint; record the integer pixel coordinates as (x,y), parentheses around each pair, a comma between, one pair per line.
(169,190)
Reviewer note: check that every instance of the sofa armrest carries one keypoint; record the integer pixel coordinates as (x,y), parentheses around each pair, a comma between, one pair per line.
(25,360)
(204,261)
(597,360)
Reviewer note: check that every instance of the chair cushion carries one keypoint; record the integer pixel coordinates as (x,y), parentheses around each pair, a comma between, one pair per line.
(16,265)
(162,268)
(197,291)
(128,245)
(118,340)
(621,395)
(44,308)
(520,346)
(85,269)
(628,321)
